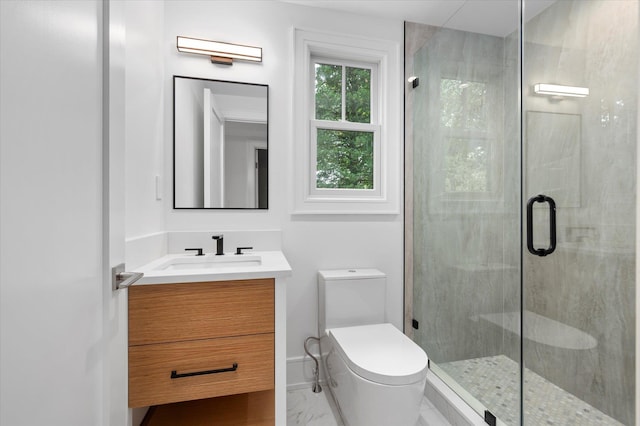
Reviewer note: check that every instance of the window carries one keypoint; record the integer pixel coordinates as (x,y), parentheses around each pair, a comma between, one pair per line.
(344,132)
(348,134)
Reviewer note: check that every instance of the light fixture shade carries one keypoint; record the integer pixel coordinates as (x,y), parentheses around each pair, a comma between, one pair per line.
(559,90)
(217,49)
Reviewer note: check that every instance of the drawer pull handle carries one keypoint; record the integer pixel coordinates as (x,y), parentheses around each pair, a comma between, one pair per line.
(175,375)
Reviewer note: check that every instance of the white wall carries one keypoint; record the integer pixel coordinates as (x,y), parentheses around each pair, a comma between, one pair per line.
(144,131)
(310,242)
(241,142)
(189,102)
(145,116)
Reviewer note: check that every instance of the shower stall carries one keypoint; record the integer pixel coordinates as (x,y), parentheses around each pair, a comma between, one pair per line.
(520,152)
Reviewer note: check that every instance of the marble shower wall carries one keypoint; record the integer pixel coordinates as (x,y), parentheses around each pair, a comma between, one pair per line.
(589,282)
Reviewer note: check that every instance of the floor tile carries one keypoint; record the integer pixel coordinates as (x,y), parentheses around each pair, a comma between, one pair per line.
(313,409)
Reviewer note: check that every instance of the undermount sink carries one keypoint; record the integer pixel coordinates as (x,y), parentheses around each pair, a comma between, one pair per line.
(209,262)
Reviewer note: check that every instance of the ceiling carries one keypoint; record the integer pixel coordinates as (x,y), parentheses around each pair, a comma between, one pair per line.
(493,17)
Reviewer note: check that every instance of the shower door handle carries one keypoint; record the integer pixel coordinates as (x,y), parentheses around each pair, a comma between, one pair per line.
(552,225)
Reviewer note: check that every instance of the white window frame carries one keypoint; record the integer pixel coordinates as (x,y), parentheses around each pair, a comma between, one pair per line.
(383,57)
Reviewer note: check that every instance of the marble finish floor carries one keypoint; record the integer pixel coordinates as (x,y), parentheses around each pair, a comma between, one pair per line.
(494,382)
(306,408)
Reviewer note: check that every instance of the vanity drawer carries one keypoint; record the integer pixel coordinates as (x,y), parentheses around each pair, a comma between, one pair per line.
(190,311)
(151,367)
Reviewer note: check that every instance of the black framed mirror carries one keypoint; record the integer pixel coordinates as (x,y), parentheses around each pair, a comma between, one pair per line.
(220,144)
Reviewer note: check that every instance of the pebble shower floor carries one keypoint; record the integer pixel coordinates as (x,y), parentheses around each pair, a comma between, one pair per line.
(545,403)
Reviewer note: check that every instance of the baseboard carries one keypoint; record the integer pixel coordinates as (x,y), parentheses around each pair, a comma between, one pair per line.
(300,372)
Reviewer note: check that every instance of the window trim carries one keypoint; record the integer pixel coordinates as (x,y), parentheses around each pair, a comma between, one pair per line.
(309,47)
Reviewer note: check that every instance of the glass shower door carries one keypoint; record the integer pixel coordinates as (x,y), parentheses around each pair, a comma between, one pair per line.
(463,163)
(579,102)
(521,209)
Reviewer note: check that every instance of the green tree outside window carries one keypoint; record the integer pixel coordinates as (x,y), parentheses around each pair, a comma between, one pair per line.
(345,158)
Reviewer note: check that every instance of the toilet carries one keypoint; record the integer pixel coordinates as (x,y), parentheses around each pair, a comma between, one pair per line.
(375,374)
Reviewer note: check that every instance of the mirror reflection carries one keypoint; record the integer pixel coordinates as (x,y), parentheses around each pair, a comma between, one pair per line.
(220,144)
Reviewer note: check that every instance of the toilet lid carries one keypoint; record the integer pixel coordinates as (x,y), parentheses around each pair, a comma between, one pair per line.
(381,353)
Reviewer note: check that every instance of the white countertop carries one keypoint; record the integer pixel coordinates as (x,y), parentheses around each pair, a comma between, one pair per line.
(273,265)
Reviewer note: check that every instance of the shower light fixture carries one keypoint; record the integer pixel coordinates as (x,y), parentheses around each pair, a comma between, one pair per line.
(558,90)
(220,53)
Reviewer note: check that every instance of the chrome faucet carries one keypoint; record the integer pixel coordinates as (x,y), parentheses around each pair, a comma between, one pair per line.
(219,244)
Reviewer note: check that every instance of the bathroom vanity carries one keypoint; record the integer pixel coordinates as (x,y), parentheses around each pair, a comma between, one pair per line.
(207,340)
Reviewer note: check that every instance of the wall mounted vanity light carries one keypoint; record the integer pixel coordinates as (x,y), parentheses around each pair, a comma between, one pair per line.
(220,53)
(558,90)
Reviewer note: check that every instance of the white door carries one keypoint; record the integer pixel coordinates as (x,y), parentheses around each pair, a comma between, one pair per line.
(114,302)
(61,222)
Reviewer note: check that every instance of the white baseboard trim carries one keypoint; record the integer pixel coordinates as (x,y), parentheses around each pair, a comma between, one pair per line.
(300,372)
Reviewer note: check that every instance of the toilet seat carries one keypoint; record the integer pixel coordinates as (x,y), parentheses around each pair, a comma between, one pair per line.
(381,353)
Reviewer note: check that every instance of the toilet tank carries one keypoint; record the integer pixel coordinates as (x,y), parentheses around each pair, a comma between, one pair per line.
(349,297)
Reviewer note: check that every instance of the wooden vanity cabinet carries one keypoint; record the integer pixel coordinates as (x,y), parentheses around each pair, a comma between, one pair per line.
(197,341)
